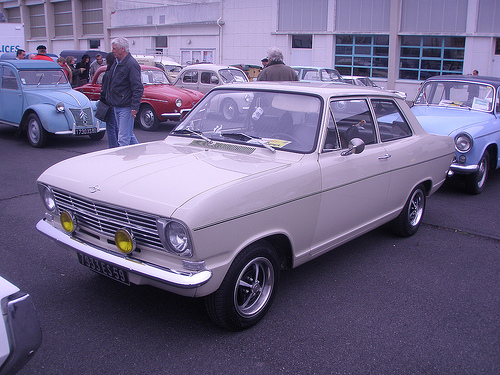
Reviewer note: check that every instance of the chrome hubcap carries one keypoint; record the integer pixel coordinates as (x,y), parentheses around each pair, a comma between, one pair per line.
(416,208)
(254,287)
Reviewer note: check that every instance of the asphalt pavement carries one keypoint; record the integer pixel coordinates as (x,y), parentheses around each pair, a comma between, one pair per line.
(428,304)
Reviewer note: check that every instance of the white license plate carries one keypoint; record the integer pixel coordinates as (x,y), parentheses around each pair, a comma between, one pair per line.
(104,268)
(85,131)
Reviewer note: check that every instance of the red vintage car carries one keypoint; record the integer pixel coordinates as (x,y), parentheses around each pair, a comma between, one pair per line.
(160,102)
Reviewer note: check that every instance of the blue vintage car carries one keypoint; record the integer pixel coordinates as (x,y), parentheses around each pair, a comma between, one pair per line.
(466,108)
(37,97)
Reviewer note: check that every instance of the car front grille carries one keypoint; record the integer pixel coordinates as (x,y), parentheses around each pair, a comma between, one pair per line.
(82,117)
(98,218)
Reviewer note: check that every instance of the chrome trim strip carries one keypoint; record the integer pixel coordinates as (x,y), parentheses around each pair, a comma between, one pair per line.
(179,279)
(171,115)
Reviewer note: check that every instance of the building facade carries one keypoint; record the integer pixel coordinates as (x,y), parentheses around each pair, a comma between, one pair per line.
(399,43)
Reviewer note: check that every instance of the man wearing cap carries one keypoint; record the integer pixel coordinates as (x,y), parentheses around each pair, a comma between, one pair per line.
(42,53)
(264,62)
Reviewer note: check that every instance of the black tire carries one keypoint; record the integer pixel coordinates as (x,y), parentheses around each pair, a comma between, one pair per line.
(474,183)
(229,109)
(37,135)
(147,119)
(410,218)
(97,136)
(247,291)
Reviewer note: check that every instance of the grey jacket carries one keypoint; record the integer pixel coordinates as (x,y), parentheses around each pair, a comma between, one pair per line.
(123,87)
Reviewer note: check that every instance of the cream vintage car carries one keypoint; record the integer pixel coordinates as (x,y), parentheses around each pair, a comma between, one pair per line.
(220,207)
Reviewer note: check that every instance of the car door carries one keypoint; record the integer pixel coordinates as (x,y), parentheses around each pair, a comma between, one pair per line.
(11,96)
(354,187)
(93,90)
(189,80)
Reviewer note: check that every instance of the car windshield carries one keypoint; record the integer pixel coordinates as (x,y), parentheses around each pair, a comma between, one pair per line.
(42,77)
(154,77)
(273,120)
(330,75)
(472,95)
(232,75)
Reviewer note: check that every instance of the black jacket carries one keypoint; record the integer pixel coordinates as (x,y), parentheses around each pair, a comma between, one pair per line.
(123,85)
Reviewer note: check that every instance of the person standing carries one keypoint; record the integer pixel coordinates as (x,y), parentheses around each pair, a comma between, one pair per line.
(62,63)
(124,90)
(75,73)
(20,54)
(96,64)
(42,53)
(276,70)
(111,127)
(84,67)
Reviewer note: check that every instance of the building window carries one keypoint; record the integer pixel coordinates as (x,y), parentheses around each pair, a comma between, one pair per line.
(37,21)
(362,55)
(497,47)
(427,56)
(92,17)
(189,57)
(302,15)
(13,14)
(63,22)
(302,41)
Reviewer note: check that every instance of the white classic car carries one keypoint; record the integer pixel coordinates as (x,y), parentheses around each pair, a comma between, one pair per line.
(221,206)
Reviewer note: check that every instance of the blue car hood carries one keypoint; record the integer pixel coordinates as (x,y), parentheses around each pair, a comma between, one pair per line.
(449,121)
(70,98)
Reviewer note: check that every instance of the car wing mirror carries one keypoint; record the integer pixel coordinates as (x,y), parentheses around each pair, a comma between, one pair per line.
(356,146)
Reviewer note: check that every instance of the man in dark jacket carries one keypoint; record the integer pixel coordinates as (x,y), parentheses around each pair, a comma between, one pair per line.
(276,70)
(123,91)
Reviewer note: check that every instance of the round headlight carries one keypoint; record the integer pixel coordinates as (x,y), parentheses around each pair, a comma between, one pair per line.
(47,198)
(60,107)
(178,102)
(463,142)
(124,241)
(177,237)
(68,221)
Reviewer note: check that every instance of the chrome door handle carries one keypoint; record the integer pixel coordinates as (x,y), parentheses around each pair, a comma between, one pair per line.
(386,156)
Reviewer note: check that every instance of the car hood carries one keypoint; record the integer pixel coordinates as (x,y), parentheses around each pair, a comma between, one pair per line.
(158,177)
(177,92)
(69,97)
(449,120)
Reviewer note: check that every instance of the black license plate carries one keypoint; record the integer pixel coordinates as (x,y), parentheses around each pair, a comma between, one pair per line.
(85,131)
(104,268)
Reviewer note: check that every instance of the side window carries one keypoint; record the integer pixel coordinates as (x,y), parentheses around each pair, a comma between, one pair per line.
(9,80)
(392,125)
(205,77)
(190,77)
(353,120)
(332,136)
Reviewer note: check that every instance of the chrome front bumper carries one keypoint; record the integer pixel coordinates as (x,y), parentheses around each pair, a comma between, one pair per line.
(463,169)
(178,279)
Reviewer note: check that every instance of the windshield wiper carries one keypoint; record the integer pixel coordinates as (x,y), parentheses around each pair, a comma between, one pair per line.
(248,139)
(40,80)
(195,132)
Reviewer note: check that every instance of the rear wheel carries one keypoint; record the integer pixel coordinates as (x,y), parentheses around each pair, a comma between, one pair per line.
(37,135)
(247,291)
(410,218)
(147,118)
(474,183)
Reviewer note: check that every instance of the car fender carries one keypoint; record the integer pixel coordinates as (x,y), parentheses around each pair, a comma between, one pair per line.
(52,121)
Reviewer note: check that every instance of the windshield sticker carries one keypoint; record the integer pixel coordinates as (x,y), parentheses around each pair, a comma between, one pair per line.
(481,104)
(276,143)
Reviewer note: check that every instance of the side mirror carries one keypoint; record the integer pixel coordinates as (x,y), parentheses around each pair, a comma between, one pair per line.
(356,146)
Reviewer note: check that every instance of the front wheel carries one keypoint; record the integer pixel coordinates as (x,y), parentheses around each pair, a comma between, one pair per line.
(475,182)
(247,291)
(37,135)
(97,136)
(147,118)
(410,218)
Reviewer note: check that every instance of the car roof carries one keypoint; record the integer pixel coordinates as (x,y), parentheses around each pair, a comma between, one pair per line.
(495,81)
(209,67)
(31,64)
(311,67)
(323,89)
